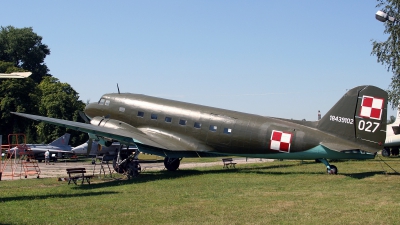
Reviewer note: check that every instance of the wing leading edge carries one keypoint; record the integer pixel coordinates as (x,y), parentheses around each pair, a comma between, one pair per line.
(120,135)
(148,144)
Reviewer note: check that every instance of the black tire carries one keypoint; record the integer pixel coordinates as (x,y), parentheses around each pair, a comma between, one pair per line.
(395,151)
(115,164)
(172,164)
(385,152)
(108,143)
(333,170)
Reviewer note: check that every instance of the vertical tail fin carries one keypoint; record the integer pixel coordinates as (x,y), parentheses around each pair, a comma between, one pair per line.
(63,140)
(359,116)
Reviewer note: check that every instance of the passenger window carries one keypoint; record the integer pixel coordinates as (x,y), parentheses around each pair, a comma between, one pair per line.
(101,102)
(140,114)
(227,130)
(121,109)
(153,116)
(107,102)
(197,125)
(213,128)
(182,122)
(168,119)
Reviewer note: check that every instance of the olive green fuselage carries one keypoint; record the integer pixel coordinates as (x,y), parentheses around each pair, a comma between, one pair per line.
(203,128)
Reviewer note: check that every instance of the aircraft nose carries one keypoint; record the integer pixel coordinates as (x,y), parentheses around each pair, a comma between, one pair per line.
(93,109)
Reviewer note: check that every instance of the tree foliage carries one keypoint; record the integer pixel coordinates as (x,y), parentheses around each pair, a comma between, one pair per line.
(40,94)
(18,95)
(388,52)
(58,100)
(24,49)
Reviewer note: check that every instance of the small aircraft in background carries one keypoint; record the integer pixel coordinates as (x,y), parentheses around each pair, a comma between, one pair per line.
(57,148)
(354,128)
(105,153)
(15,75)
(392,142)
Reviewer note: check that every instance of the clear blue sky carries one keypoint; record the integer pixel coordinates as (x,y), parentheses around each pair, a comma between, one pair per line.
(283,58)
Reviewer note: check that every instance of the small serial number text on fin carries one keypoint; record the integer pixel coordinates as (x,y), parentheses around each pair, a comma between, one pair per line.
(340,119)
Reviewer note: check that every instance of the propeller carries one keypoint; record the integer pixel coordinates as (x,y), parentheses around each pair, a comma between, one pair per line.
(86,119)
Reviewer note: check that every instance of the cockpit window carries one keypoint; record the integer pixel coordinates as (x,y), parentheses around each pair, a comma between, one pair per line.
(101,101)
(107,102)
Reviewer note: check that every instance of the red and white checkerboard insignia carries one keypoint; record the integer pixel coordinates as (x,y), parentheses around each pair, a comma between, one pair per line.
(280,141)
(371,107)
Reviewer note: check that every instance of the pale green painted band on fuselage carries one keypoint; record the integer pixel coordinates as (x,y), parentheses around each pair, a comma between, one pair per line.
(311,154)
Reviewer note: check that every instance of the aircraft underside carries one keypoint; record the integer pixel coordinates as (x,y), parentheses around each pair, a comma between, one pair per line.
(172,159)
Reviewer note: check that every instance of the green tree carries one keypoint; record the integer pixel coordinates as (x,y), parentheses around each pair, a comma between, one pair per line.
(18,95)
(387,52)
(59,100)
(24,49)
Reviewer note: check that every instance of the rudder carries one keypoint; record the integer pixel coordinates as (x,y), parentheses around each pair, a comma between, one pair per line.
(359,116)
(63,140)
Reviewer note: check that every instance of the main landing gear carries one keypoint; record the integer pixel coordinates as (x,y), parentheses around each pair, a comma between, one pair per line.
(330,169)
(172,164)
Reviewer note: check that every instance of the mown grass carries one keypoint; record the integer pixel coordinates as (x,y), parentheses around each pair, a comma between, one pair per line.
(280,192)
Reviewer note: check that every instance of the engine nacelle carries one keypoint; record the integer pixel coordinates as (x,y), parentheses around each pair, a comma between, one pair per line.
(109,123)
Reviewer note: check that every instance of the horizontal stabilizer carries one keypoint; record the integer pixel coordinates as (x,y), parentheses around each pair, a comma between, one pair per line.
(15,75)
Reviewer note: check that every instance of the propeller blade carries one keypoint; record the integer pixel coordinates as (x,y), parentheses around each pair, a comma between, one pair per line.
(89,148)
(84,117)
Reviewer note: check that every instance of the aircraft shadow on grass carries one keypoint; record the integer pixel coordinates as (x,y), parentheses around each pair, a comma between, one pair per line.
(264,170)
(35,197)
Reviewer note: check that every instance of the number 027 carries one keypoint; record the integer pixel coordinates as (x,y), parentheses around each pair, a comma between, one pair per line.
(368,126)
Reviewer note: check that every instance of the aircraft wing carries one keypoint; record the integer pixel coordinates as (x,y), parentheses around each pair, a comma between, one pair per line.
(127,137)
(15,75)
(148,140)
(51,150)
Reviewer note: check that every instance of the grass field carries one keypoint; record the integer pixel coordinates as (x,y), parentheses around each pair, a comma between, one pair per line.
(280,192)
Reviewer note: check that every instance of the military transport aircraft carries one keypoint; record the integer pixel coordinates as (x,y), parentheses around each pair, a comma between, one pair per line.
(354,128)
(15,75)
(97,150)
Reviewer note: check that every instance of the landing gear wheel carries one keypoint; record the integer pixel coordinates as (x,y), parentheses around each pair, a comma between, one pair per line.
(115,165)
(385,152)
(333,170)
(172,164)
(395,151)
(108,143)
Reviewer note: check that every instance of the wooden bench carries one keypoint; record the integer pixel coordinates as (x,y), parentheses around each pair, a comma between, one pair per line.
(78,173)
(228,162)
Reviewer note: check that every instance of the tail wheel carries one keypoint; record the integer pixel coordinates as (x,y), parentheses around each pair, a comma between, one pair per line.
(172,164)
(333,169)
